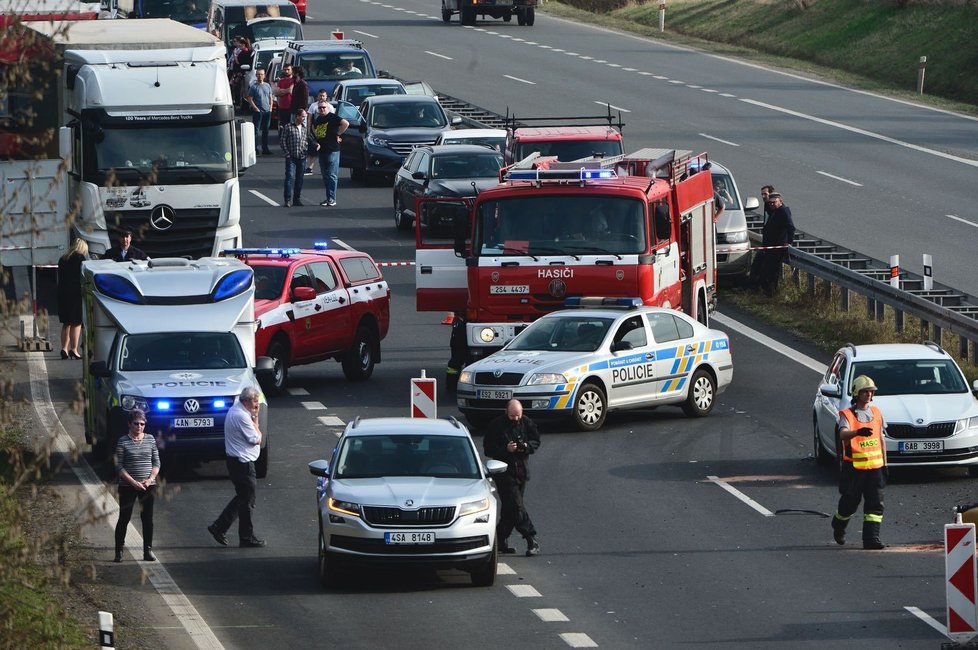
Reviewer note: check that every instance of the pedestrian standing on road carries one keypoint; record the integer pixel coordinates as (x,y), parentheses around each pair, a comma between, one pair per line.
(124,251)
(313,111)
(300,98)
(328,127)
(260,99)
(69,298)
(766,192)
(778,232)
(283,93)
(296,141)
(511,438)
(242,444)
(137,462)
(862,478)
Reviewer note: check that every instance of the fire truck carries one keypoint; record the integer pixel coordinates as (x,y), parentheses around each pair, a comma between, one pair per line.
(635,225)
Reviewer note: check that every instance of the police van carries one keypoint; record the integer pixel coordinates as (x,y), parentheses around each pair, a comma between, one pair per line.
(175,338)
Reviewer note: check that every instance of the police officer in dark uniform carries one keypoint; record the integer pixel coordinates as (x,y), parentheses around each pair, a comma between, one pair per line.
(511,438)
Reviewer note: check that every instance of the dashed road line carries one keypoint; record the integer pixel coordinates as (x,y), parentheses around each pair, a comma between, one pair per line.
(264,198)
(713,137)
(440,56)
(296,391)
(313,406)
(342,244)
(367,34)
(740,495)
(578,640)
(522,81)
(503,569)
(612,106)
(550,615)
(965,221)
(838,178)
(524,591)
(331,421)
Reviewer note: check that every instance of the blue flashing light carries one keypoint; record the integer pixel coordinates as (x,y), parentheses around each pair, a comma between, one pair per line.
(232,284)
(118,287)
(523,175)
(274,252)
(320,245)
(219,403)
(598,301)
(587,174)
(162,405)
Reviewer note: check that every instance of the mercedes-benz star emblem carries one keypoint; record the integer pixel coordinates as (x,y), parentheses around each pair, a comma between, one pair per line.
(557,288)
(191,406)
(162,217)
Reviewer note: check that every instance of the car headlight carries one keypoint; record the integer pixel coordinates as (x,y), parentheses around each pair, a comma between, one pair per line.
(377,141)
(130,402)
(546,378)
(487,334)
(967,423)
(465,377)
(473,507)
(738,237)
(344,507)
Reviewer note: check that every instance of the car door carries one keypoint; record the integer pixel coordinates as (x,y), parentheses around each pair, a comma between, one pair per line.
(633,370)
(402,181)
(827,408)
(334,319)
(677,353)
(305,336)
(351,143)
(414,188)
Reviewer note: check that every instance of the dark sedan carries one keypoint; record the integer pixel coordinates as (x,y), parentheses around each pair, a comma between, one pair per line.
(444,171)
(386,129)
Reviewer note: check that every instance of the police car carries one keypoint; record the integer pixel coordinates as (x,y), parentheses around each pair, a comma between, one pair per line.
(613,354)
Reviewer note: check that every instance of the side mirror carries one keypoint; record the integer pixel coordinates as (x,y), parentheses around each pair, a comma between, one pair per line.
(65,137)
(831,390)
(362,127)
(974,388)
(752,203)
(248,155)
(621,345)
(319,468)
(418,175)
(246,67)
(456,120)
(494,466)
(98,369)
(301,294)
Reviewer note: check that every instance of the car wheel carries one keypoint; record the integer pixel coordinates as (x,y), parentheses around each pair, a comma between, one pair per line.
(485,575)
(328,565)
(401,222)
(590,407)
(446,15)
(508,16)
(822,455)
(358,362)
(467,14)
(261,465)
(702,394)
(520,17)
(530,16)
(279,353)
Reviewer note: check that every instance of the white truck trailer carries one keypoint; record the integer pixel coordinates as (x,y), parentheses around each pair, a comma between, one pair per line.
(146,142)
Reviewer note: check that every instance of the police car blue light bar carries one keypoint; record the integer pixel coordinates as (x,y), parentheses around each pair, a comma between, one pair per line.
(320,245)
(279,252)
(600,301)
(581,174)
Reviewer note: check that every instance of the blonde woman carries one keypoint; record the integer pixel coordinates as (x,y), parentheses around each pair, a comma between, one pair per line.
(69,298)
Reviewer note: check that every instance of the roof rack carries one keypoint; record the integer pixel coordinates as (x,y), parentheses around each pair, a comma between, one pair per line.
(935,347)
(299,46)
(609,119)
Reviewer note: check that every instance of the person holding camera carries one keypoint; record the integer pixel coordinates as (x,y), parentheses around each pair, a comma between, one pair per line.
(511,438)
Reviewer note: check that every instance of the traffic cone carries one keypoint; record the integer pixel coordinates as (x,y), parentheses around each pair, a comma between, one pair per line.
(449,318)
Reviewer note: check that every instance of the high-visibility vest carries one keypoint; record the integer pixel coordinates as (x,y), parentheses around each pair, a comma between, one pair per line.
(864,452)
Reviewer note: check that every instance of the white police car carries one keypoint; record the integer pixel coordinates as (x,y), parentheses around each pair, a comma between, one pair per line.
(582,363)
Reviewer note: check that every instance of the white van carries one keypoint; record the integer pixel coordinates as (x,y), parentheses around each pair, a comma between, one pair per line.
(733,244)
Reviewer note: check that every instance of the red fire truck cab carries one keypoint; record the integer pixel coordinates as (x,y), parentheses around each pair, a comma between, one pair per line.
(634,225)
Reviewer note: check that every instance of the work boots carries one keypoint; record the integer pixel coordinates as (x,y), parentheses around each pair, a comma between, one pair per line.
(839,530)
(871,536)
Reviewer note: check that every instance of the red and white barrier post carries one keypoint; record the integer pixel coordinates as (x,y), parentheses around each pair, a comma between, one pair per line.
(928,272)
(423,400)
(961,581)
(662,15)
(895,271)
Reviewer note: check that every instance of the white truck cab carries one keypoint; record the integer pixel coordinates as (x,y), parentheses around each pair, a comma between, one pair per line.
(175,338)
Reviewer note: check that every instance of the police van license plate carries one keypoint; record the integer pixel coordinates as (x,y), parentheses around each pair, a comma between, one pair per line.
(192,423)
(509,288)
(920,446)
(494,394)
(409,538)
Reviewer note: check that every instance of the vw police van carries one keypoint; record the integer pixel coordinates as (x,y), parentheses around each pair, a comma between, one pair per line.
(175,338)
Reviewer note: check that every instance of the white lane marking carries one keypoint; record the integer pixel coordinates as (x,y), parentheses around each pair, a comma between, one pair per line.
(740,495)
(646,74)
(331,421)
(313,406)
(614,65)
(600,60)
(550,615)
(710,137)
(264,198)
(586,58)
(693,86)
(572,54)
(612,106)
(868,134)
(557,49)
(532,43)
(440,56)
(342,244)
(927,618)
(503,569)
(524,591)
(505,36)
(660,77)
(522,81)
(578,640)
(970,223)
(838,178)
(297,391)
(629,69)
(105,507)
(768,342)
(546,47)
(727,95)
(517,39)
(709,90)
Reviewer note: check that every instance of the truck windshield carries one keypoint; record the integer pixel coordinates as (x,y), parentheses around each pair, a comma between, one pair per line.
(577,334)
(567,150)
(181,351)
(265,29)
(187,154)
(188,12)
(328,67)
(568,224)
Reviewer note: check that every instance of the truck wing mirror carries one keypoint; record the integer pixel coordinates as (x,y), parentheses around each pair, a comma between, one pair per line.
(65,137)
(99,369)
(301,294)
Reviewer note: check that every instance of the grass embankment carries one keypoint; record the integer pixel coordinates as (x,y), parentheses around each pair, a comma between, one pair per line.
(874,44)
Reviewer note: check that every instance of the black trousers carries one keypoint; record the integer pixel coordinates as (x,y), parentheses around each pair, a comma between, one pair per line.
(864,485)
(514,514)
(242,505)
(128,495)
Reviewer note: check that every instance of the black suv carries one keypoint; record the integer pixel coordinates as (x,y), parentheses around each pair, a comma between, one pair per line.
(386,129)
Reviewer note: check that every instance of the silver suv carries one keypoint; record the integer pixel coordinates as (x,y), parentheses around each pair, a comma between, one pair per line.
(407,490)
(931,414)
(733,244)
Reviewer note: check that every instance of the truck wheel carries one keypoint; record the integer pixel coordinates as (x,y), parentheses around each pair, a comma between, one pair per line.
(358,362)
(280,369)
(467,14)
(590,407)
(446,15)
(702,395)
(261,465)
(530,16)
(400,221)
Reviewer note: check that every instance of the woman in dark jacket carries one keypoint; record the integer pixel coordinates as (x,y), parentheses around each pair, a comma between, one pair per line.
(69,298)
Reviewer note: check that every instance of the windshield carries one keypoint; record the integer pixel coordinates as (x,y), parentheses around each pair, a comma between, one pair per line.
(356,94)
(404,114)
(568,224)
(403,455)
(466,166)
(185,11)
(181,351)
(323,66)
(190,153)
(577,334)
(269,281)
(274,29)
(723,188)
(913,377)
(571,149)
(264,57)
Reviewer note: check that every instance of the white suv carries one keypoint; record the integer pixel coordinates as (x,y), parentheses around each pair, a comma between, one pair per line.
(733,243)
(931,415)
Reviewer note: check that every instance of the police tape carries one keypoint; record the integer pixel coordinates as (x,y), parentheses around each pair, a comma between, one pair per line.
(395,263)
(770,248)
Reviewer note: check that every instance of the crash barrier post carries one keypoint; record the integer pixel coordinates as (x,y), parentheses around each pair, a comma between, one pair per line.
(105,634)
(928,272)
(921,68)
(895,271)
(662,15)
(423,400)
(961,581)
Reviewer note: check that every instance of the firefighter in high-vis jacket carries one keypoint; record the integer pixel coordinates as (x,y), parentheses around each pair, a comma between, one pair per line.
(861,429)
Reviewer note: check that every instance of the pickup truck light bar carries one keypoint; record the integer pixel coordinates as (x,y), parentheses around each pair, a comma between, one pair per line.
(541,175)
(268,252)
